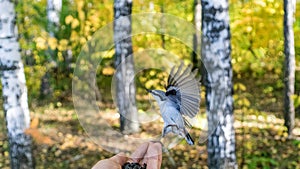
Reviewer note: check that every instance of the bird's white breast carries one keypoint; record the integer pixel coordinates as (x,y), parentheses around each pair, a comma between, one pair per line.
(171,115)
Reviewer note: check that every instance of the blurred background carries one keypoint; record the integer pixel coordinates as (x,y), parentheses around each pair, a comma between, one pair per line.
(49,53)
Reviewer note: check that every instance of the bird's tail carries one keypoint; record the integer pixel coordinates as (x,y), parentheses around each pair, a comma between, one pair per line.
(189,139)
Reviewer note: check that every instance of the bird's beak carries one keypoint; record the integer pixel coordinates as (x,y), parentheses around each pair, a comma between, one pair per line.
(148,90)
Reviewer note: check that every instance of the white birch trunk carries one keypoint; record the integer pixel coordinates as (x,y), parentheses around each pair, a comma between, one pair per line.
(14,90)
(125,88)
(162,22)
(53,14)
(197,35)
(290,64)
(216,49)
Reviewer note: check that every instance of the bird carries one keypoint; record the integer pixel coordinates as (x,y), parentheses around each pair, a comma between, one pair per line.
(180,100)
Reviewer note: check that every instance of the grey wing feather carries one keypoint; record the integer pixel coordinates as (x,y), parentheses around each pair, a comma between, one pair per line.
(184,90)
(187,123)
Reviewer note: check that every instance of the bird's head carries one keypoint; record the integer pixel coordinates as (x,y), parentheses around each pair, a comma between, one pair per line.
(159,95)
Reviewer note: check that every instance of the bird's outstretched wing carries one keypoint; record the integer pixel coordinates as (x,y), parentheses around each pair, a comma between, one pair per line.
(184,90)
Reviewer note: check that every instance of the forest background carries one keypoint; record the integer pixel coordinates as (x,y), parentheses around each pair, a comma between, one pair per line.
(257,60)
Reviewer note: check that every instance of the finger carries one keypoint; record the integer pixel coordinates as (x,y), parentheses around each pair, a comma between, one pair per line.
(107,163)
(154,149)
(139,153)
(120,158)
(153,156)
(159,148)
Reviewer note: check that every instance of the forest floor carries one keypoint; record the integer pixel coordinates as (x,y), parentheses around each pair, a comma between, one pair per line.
(261,140)
(60,142)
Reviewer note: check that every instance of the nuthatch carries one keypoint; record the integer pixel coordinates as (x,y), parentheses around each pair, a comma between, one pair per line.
(182,98)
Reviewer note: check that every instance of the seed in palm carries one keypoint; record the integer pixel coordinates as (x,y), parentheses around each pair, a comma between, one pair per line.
(134,166)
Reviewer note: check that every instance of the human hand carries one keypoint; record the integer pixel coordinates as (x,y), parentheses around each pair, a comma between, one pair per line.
(149,153)
(114,162)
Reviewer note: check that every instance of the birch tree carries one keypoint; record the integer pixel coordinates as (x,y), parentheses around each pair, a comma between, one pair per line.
(53,13)
(14,90)
(197,35)
(162,21)
(125,88)
(216,51)
(289,69)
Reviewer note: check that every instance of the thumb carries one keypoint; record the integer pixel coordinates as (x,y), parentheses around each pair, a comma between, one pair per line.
(120,158)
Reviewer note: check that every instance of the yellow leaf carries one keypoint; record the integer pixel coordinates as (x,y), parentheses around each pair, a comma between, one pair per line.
(87,30)
(149,84)
(52,42)
(246,102)
(82,40)
(39,137)
(40,43)
(108,71)
(80,4)
(63,44)
(109,54)
(34,123)
(242,87)
(152,73)
(60,56)
(81,15)
(94,19)
(73,36)
(75,23)
(260,3)
(190,17)
(69,19)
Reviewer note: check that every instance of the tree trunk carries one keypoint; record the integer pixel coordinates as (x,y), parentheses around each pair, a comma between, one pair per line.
(289,71)
(216,50)
(197,35)
(162,22)
(53,13)
(125,88)
(14,90)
